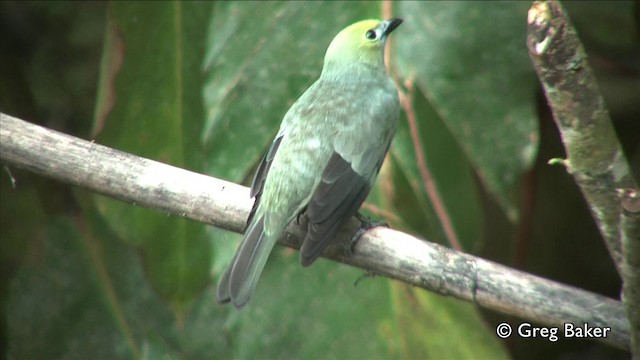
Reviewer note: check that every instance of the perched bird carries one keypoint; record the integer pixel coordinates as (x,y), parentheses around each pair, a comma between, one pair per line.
(325,157)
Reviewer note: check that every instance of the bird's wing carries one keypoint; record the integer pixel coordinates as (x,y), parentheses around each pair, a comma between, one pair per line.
(241,276)
(333,203)
(261,175)
(344,185)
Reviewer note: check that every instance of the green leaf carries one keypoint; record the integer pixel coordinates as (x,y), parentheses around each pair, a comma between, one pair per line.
(449,169)
(21,204)
(314,312)
(86,295)
(53,309)
(150,105)
(436,327)
(470,60)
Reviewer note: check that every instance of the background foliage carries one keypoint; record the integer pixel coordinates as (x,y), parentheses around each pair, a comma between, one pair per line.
(204,86)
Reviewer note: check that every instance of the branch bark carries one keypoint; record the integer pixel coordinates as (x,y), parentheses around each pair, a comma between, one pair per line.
(594,154)
(630,236)
(380,251)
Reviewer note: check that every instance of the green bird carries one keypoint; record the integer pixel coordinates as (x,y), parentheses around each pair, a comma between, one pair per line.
(325,157)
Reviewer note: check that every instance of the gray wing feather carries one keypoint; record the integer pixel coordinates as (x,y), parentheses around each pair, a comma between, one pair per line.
(265,164)
(336,199)
(241,276)
(261,174)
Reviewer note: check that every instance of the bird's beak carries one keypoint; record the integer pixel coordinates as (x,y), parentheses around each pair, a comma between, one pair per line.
(389,25)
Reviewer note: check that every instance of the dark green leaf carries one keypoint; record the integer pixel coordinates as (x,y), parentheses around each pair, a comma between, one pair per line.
(470,60)
(150,106)
(435,327)
(314,312)
(450,173)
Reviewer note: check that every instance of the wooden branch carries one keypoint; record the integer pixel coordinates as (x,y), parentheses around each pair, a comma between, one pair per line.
(594,154)
(123,176)
(630,236)
(380,251)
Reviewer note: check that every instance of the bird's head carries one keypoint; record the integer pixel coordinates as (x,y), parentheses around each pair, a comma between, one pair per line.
(359,44)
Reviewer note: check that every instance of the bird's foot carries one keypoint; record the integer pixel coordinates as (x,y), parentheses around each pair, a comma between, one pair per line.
(366,275)
(366,224)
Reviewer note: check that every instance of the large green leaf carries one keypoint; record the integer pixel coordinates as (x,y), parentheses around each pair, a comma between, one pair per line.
(435,327)
(87,296)
(470,60)
(313,312)
(150,106)
(450,172)
(51,309)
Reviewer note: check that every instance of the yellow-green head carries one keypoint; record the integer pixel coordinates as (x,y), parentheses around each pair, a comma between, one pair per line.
(359,44)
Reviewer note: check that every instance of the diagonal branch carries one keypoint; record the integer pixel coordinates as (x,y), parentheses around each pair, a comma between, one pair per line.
(381,250)
(630,236)
(594,155)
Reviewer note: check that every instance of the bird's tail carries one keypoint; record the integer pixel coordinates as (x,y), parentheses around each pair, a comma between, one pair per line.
(241,276)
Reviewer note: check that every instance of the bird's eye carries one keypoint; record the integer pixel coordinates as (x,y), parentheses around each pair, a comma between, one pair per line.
(370,35)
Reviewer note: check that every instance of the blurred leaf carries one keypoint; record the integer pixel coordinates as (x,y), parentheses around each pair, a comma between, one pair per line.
(20,204)
(314,312)
(87,296)
(53,308)
(157,113)
(451,174)
(64,61)
(425,322)
(446,328)
(605,22)
(609,31)
(470,60)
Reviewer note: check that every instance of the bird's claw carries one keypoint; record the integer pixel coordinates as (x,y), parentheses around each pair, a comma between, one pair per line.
(368,274)
(366,224)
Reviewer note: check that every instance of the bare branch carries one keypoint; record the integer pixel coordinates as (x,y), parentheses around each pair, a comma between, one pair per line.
(382,251)
(124,176)
(630,236)
(595,157)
